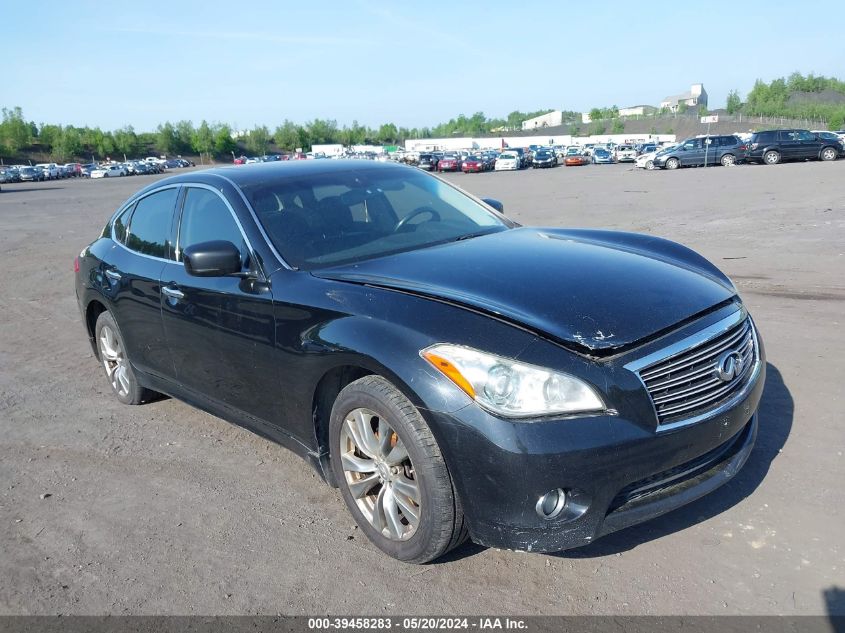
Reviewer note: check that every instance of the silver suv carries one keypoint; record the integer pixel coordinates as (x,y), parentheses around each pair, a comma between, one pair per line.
(724,150)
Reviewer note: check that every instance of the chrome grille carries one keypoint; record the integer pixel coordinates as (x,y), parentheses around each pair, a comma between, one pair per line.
(688,383)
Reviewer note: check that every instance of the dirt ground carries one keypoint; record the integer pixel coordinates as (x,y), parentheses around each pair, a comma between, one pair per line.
(163,509)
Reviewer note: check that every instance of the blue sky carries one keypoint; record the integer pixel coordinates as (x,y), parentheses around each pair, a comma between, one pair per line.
(414,64)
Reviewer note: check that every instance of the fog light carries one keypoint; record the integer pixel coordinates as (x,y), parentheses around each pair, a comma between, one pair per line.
(551,504)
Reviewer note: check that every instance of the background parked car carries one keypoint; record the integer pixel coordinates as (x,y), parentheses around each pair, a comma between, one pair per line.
(428,162)
(693,152)
(544,158)
(449,162)
(31,174)
(507,161)
(109,171)
(624,154)
(774,146)
(51,170)
(474,163)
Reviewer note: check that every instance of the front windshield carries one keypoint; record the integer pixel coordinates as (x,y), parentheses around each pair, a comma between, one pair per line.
(348,216)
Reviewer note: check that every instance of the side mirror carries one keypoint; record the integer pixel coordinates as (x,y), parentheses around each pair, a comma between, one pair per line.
(495,204)
(212,259)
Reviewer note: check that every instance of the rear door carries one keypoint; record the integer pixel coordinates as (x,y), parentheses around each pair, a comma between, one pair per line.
(143,247)
(220,330)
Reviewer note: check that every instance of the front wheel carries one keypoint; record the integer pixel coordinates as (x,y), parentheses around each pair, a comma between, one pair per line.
(771,157)
(673,163)
(649,164)
(392,474)
(828,153)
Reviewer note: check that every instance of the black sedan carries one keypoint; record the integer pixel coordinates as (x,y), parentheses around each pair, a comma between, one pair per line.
(544,158)
(453,373)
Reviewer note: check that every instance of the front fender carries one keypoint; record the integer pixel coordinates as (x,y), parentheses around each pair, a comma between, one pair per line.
(654,247)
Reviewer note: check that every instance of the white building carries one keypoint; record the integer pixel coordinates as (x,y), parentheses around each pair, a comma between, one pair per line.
(696,96)
(550,119)
(637,110)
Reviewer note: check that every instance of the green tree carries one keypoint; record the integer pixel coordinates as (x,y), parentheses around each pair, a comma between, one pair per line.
(15,133)
(68,144)
(388,133)
(48,135)
(224,144)
(202,140)
(287,136)
(617,127)
(596,114)
(184,136)
(702,110)
(257,140)
(734,103)
(322,131)
(126,141)
(682,107)
(574,129)
(167,139)
(598,127)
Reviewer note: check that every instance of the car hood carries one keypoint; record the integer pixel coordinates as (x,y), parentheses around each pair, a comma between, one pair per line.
(596,291)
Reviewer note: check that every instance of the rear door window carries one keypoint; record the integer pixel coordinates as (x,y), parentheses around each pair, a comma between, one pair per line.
(149,228)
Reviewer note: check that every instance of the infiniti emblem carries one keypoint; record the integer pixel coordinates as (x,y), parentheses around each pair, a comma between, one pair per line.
(728,366)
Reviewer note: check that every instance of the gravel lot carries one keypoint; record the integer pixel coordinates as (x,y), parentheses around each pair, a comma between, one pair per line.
(163,509)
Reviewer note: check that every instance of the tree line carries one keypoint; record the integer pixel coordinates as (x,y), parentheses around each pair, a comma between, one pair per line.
(790,97)
(17,134)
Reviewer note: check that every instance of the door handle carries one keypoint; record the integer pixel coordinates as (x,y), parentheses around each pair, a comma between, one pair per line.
(113,275)
(172,293)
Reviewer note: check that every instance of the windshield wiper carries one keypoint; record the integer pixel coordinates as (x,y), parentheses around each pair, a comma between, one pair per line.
(469,236)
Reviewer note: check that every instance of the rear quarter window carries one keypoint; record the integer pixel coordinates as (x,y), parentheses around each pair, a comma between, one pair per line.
(149,227)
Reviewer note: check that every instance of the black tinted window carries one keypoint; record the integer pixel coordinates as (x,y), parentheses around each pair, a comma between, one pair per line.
(765,137)
(149,228)
(205,217)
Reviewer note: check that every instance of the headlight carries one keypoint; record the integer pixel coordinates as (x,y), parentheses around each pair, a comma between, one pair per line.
(510,388)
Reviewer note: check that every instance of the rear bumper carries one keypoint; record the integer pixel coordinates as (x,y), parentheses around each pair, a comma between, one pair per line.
(616,472)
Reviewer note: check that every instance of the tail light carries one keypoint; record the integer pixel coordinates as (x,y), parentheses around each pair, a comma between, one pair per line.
(76,264)
(743,147)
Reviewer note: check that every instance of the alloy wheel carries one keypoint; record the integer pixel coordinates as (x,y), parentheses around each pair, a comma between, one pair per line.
(114,361)
(828,154)
(728,160)
(380,475)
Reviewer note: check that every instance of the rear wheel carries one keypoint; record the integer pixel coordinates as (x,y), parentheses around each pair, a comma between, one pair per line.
(828,153)
(728,160)
(771,157)
(391,473)
(673,163)
(112,354)
(649,164)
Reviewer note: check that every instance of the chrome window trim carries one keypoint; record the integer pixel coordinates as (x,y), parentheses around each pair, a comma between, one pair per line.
(129,203)
(690,342)
(258,223)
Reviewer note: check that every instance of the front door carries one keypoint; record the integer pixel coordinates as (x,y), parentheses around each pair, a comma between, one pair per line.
(220,330)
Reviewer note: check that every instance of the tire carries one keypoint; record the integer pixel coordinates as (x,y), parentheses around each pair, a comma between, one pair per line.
(112,356)
(728,160)
(649,165)
(771,157)
(370,408)
(828,153)
(673,163)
